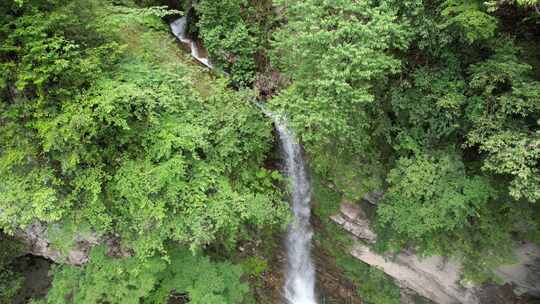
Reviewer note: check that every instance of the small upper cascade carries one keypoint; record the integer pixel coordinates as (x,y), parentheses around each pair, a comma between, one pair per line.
(179,29)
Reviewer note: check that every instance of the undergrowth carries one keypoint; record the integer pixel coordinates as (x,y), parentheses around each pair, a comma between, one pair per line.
(372,284)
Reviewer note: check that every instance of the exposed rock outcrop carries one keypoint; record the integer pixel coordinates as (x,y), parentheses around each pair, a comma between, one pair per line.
(437,278)
(525,274)
(36,237)
(373,197)
(354,220)
(431,277)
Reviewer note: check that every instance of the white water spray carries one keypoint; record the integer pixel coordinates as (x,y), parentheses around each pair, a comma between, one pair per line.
(300,280)
(179,29)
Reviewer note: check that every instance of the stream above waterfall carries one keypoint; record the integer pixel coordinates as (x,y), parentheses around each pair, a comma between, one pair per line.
(179,29)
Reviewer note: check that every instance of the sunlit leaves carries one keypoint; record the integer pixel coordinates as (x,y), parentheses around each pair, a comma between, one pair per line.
(473,23)
(108,279)
(518,155)
(336,54)
(505,93)
(229,39)
(105,279)
(120,141)
(432,205)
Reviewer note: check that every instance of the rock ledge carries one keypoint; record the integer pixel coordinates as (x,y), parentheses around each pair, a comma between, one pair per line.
(437,278)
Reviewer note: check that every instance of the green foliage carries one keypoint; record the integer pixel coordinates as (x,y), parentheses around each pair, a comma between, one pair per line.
(205,282)
(152,11)
(524,3)
(429,108)
(469,19)
(10,280)
(372,284)
(334,54)
(431,100)
(98,132)
(229,38)
(126,280)
(45,67)
(63,236)
(254,266)
(432,203)
(104,279)
(10,283)
(505,91)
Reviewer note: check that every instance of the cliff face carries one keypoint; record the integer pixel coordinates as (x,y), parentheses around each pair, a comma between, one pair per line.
(437,278)
(39,243)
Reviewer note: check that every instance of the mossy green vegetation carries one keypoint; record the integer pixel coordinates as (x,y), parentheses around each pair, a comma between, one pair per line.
(234,32)
(108,279)
(107,125)
(433,102)
(108,128)
(373,285)
(10,279)
(118,139)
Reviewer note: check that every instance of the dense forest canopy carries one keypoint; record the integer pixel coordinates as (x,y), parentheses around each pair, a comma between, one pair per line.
(103,129)
(120,141)
(436,102)
(107,129)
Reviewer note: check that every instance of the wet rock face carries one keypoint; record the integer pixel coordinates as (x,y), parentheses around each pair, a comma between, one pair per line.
(38,241)
(437,278)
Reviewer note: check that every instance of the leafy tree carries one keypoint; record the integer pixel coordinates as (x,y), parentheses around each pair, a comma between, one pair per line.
(126,280)
(433,206)
(379,93)
(470,20)
(97,131)
(204,281)
(505,91)
(229,38)
(482,98)
(428,109)
(334,52)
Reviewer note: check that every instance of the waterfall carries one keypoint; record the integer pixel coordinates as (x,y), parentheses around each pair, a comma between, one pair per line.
(179,29)
(300,280)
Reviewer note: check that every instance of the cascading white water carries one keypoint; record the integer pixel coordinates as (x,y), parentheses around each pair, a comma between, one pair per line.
(300,280)
(178,28)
